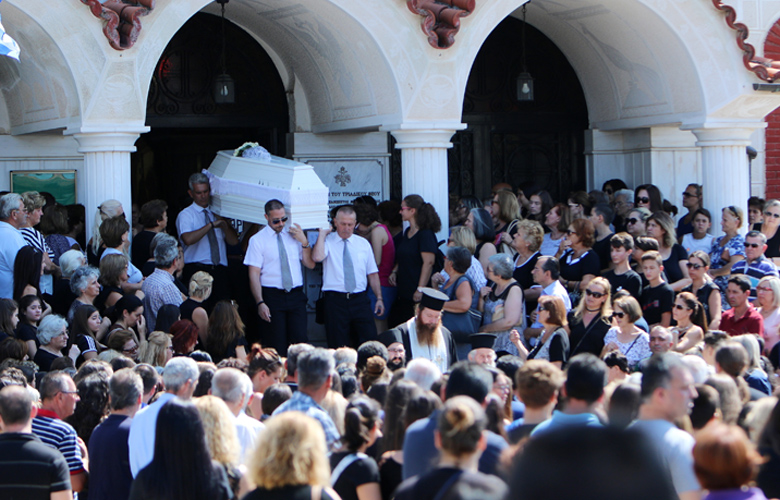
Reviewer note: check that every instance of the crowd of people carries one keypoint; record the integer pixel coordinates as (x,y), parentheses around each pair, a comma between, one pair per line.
(593,339)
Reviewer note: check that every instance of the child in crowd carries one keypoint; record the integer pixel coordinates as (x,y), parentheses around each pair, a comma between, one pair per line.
(658,297)
(622,277)
(700,239)
(30,312)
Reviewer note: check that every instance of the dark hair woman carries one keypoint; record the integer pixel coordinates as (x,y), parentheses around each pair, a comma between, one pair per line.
(702,286)
(460,439)
(691,323)
(182,468)
(648,196)
(391,464)
(384,253)
(538,205)
(355,476)
(93,404)
(557,221)
(28,267)
(30,313)
(84,331)
(128,314)
(167,315)
(579,262)
(415,256)
(185,336)
(226,333)
(115,233)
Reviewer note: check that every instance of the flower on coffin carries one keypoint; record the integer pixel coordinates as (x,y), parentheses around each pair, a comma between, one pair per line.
(257,153)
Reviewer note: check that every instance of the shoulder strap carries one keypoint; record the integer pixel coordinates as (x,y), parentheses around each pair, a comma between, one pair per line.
(343,464)
(446,486)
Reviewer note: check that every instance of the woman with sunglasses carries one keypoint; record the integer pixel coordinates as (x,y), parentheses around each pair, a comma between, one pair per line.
(579,204)
(729,248)
(553,342)
(579,263)
(649,197)
(769,228)
(557,221)
(768,299)
(661,227)
(626,337)
(636,220)
(691,322)
(589,322)
(706,291)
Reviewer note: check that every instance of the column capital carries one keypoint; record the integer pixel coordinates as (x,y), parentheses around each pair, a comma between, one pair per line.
(724,134)
(424,134)
(107,138)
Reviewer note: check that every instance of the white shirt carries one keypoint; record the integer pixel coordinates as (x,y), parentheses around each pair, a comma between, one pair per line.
(133,274)
(248,430)
(691,244)
(549,245)
(11,241)
(263,253)
(140,441)
(191,219)
(555,288)
(363,263)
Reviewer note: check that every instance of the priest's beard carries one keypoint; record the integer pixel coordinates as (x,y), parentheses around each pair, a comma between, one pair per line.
(428,335)
(396,363)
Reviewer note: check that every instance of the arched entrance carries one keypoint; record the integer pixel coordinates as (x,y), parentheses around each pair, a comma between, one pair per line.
(187,126)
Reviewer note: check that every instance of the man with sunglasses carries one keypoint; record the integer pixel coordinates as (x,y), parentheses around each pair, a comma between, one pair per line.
(13,216)
(755,265)
(274,257)
(692,200)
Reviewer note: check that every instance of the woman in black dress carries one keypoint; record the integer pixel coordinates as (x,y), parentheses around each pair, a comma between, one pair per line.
(591,320)
(415,256)
(192,309)
(579,262)
(30,313)
(226,333)
(661,227)
(460,440)
(355,475)
(770,229)
(289,461)
(394,429)
(702,286)
(182,468)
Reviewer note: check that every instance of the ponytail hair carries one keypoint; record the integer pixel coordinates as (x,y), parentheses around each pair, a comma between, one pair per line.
(461,423)
(698,317)
(425,215)
(361,416)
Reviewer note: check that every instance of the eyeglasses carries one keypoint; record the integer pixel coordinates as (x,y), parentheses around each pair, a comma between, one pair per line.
(642,199)
(752,245)
(632,221)
(132,349)
(691,265)
(763,289)
(617,314)
(680,308)
(686,194)
(770,214)
(277,221)
(598,295)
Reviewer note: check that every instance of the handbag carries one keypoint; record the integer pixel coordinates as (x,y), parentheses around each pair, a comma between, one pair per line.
(462,325)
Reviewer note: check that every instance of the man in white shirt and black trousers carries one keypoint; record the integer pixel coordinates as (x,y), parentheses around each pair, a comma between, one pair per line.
(348,265)
(274,258)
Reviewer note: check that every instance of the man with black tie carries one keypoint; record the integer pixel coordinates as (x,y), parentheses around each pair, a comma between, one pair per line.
(348,265)
(274,258)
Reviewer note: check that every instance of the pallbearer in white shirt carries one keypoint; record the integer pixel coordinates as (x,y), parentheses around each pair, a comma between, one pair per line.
(348,266)
(274,258)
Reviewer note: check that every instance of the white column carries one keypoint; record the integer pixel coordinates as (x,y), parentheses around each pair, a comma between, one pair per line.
(106,172)
(725,167)
(424,165)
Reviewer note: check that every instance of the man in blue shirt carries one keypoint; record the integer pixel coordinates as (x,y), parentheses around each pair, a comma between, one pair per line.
(755,265)
(586,377)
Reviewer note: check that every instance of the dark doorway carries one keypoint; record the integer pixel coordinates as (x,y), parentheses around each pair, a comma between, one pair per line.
(538,143)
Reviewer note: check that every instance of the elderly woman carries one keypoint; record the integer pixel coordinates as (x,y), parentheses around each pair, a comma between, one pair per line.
(579,262)
(121,343)
(502,304)
(192,308)
(84,284)
(729,248)
(635,222)
(557,221)
(527,241)
(661,227)
(63,295)
(553,344)
(770,229)
(460,315)
(626,337)
(52,337)
(290,461)
(115,233)
(768,300)
(461,236)
(157,349)
(481,225)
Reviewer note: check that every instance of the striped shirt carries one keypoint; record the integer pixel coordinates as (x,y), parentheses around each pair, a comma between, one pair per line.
(60,436)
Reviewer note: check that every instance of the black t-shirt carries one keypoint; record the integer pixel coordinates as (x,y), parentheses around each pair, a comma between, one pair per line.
(629,281)
(139,252)
(656,301)
(429,485)
(25,332)
(408,255)
(703,296)
(361,471)
(773,246)
(587,338)
(559,347)
(44,359)
(143,489)
(575,269)
(390,475)
(602,249)
(188,307)
(299,492)
(33,471)
(768,478)
(672,267)
(522,272)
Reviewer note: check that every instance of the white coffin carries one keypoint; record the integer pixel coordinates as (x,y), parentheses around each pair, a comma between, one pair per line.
(240,188)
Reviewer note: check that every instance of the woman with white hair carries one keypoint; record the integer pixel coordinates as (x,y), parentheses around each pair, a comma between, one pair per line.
(502,303)
(768,298)
(53,337)
(63,296)
(84,284)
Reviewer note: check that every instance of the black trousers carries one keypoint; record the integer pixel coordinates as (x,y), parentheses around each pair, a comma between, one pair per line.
(349,320)
(289,319)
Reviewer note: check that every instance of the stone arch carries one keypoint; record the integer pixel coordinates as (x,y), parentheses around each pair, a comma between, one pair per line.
(39,92)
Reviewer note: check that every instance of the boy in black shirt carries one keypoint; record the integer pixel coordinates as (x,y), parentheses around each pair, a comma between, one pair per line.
(657,298)
(622,277)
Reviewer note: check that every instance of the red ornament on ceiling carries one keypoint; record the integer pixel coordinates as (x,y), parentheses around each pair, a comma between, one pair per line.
(122,17)
(441,19)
